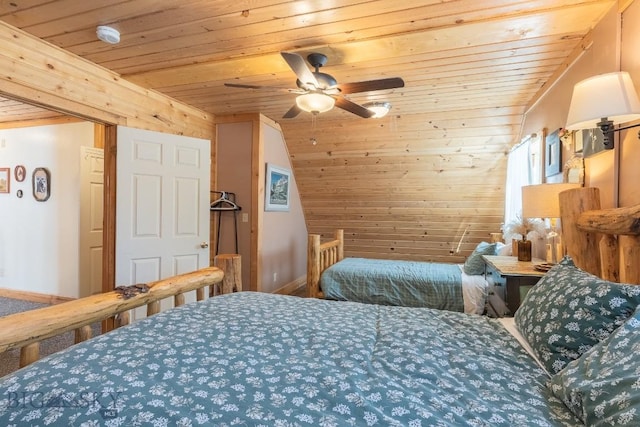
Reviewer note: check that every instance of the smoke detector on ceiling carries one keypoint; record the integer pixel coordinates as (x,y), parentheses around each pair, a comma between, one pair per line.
(108,34)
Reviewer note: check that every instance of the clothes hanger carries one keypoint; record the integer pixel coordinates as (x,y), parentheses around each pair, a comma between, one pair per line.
(224,202)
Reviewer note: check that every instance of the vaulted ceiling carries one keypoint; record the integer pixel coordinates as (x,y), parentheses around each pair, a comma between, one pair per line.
(471,69)
(452,55)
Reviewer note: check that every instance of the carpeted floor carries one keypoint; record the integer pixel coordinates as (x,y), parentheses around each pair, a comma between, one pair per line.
(10,360)
(11,305)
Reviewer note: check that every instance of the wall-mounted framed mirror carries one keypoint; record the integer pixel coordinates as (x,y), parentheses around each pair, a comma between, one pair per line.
(573,170)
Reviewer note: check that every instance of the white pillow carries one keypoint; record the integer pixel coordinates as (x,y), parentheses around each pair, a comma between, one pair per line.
(503,250)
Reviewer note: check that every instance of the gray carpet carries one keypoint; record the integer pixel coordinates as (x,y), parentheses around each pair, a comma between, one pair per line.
(10,306)
(10,360)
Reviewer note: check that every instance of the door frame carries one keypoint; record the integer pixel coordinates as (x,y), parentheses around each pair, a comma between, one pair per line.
(110,139)
(109,234)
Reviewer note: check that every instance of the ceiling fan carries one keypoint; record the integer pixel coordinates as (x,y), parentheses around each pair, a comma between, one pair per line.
(319,92)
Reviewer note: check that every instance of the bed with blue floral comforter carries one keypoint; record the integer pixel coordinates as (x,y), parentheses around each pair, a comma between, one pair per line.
(272,360)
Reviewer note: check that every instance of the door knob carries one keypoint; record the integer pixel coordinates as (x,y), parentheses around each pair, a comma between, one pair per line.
(204,245)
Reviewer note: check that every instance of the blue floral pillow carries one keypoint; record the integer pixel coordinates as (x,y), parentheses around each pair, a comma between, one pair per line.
(569,311)
(603,386)
(474,265)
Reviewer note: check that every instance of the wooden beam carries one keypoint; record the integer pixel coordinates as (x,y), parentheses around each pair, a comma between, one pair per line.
(39,122)
(42,74)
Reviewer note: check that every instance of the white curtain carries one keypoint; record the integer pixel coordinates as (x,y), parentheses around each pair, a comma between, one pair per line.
(518,175)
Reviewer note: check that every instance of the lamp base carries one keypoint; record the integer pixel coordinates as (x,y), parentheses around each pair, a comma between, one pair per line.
(554,252)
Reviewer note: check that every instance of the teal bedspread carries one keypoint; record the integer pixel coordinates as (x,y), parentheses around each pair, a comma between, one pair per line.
(391,282)
(252,359)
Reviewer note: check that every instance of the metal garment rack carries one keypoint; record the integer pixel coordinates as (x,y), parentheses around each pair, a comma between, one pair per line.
(226,201)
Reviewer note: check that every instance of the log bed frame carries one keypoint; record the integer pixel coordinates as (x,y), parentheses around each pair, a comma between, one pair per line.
(321,256)
(25,330)
(603,242)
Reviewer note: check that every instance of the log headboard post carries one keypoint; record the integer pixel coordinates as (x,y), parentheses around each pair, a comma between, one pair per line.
(629,259)
(604,242)
(339,235)
(579,245)
(321,256)
(313,265)
(231,264)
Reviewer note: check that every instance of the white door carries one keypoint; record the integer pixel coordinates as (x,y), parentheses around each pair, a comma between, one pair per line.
(162,207)
(91,214)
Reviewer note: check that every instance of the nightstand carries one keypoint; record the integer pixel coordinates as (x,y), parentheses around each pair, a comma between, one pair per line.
(515,277)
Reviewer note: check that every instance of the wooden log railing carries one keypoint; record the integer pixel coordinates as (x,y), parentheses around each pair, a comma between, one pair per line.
(25,330)
(603,242)
(321,256)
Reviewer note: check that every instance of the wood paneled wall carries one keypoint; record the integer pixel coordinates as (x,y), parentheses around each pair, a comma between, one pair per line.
(405,187)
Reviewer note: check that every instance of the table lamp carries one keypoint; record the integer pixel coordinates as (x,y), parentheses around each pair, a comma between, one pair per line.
(542,201)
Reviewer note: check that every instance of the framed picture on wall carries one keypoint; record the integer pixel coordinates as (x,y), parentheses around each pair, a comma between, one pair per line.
(41,184)
(19,173)
(5,180)
(277,188)
(553,154)
(578,143)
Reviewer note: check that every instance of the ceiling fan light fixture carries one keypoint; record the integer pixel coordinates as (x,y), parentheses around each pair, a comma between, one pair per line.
(108,34)
(315,102)
(380,109)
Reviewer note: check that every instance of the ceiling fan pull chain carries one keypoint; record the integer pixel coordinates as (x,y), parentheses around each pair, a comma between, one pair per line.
(313,129)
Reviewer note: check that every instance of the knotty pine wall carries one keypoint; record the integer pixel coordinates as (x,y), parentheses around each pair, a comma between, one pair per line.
(405,187)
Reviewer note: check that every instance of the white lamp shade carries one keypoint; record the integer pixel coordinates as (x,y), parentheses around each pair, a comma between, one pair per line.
(315,102)
(380,109)
(543,200)
(609,95)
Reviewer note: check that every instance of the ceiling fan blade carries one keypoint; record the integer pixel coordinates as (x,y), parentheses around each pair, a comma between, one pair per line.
(271,88)
(299,66)
(243,86)
(354,108)
(293,111)
(371,85)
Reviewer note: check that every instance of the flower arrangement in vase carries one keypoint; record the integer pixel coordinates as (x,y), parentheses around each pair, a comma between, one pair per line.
(523,227)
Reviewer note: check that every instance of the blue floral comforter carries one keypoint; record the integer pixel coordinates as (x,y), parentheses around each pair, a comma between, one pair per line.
(255,359)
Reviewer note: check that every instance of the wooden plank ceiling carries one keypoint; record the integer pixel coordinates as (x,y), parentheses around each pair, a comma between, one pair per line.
(404,186)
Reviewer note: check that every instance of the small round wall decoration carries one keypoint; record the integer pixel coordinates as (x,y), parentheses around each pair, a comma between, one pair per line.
(20,173)
(41,184)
